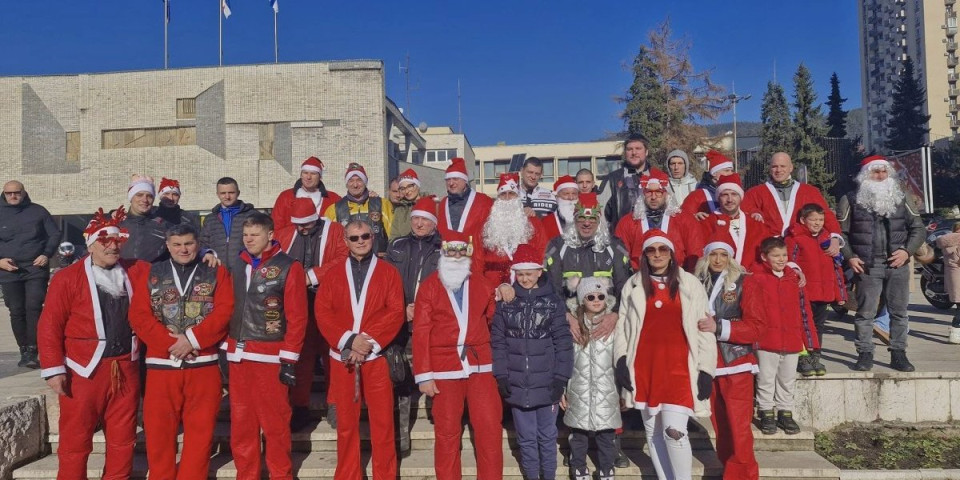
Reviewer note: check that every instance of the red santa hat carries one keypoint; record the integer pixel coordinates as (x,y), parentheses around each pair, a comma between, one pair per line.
(718,161)
(312,164)
(303,211)
(730,182)
(655,180)
(453,240)
(509,182)
(169,185)
(655,235)
(526,258)
(563,182)
(103,225)
(874,161)
(587,206)
(719,241)
(409,176)
(355,170)
(140,183)
(457,169)
(426,207)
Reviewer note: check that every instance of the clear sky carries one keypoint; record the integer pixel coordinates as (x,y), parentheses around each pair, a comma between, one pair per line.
(531,71)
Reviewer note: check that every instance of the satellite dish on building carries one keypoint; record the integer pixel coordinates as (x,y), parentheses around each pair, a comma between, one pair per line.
(422,127)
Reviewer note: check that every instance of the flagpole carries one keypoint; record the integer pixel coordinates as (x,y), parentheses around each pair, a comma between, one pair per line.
(220,17)
(276,44)
(166,55)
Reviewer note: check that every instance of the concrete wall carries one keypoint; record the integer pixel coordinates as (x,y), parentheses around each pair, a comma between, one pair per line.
(23,424)
(334,111)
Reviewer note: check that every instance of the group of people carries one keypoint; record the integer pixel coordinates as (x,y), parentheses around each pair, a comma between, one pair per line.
(670,299)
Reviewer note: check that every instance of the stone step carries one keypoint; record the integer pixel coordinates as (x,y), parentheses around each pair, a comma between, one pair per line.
(321,465)
(319,436)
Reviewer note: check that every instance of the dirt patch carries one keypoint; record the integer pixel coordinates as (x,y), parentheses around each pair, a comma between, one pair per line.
(868,446)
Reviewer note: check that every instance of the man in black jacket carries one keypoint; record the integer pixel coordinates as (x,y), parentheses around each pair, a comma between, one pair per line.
(624,182)
(880,232)
(169,207)
(147,229)
(28,238)
(222,230)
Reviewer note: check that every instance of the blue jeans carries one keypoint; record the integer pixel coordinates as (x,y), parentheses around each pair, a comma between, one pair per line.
(537,437)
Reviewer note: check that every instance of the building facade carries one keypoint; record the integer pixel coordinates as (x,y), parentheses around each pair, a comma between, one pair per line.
(558,159)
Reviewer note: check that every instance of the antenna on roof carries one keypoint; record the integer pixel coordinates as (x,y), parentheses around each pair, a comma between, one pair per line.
(459,109)
(405,71)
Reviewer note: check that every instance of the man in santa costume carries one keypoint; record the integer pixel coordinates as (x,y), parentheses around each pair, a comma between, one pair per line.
(463,209)
(778,200)
(145,227)
(181,311)
(359,310)
(169,208)
(453,362)
(567,193)
(88,353)
(263,346)
(657,210)
(409,189)
(734,226)
(318,244)
(508,227)
(703,201)
(358,204)
(309,185)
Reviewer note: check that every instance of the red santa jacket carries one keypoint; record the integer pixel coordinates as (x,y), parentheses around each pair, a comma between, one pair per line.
(284,203)
(332,244)
(294,311)
(747,249)
(779,303)
(684,231)
(763,199)
(205,337)
(496,266)
(474,216)
(70,331)
(379,313)
(552,227)
(451,342)
(825,282)
(699,200)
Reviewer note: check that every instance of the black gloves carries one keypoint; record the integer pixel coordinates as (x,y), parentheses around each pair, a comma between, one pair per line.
(504,386)
(622,375)
(704,386)
(288,374)
(557,390)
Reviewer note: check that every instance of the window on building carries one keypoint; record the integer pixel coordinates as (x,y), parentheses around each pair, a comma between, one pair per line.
(605,165)
(493,169)
(549,170)
(570,166)
(441,155)
(73,146)
(477,170)
(186,108)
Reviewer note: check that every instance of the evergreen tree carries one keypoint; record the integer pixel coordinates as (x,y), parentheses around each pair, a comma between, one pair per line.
(645,102)
(809,128)
(836,118)
(776,132)
(907,123)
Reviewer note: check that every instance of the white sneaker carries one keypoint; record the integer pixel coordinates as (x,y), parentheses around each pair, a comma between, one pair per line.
(954,335)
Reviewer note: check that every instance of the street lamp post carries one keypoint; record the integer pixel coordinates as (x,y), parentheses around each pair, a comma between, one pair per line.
(735,99)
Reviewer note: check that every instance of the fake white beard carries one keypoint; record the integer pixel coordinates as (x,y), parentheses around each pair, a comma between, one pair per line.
(565,209)
(880,197)
(110,280)
(507,227)
(453,271)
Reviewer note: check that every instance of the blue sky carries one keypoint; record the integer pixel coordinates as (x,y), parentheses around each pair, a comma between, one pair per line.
(531,71)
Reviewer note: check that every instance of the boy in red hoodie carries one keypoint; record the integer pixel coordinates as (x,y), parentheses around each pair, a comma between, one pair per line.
(825,283)
(789,330)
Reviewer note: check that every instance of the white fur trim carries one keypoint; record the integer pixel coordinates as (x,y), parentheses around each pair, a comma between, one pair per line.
(306,219)
(424,214)
(526,266)
(53,371)
(510,186)
(169,189)
(311,168)
(566,185)
(409,180)
(721,166)
(724,330)
(141,187)
(456,175)
(109,231)
(729,186)
(718,245)
(285,355)
(880,162)
(192,338)
(658,239)
(355,173)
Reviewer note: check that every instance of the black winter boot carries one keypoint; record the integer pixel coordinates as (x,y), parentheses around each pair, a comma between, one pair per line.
(622,461)
(583,474)
(24,357)
(805,365)
(864,362)
(768,423)
(786,422)
(818,368)
(898,361)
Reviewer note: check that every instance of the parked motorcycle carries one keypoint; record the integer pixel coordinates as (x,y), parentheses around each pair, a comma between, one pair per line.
(931,275)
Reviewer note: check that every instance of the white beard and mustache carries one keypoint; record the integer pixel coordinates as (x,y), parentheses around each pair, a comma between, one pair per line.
(507,227)
(453,271)
(565,209)
(880,197)
(112,280)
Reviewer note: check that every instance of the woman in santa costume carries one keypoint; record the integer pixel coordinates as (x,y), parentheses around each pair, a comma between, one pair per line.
(732,397)
(665,365)
(359,310)
(453,361)
(88,353)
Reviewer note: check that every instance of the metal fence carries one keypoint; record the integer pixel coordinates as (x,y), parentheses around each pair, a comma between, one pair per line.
(841,161)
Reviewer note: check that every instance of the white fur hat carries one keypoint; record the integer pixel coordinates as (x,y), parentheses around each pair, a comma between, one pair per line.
(590,285)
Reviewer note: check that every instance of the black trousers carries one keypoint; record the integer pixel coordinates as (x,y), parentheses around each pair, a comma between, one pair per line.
(819,318)
(24,299)
(606,449)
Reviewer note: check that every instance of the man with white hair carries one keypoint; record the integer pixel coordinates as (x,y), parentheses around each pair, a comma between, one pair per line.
(567,193)
(507,227)
(880,231)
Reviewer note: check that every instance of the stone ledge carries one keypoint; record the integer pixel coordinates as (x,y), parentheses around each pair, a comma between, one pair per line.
(23,426)
(919,474)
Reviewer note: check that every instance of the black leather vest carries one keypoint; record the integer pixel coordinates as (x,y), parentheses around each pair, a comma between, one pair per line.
(373,217)
(862,233)
(258,309)
(180,312)
(727,307)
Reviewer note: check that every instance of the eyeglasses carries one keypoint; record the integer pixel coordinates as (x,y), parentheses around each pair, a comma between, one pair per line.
(10,194)
(592,297)
(106,241)
(663,250)
(357,238)
(404,188)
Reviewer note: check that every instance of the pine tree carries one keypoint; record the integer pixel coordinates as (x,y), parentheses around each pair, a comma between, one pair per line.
(907,123)
(645,102)
(776,132)
(836,118)
(808,129)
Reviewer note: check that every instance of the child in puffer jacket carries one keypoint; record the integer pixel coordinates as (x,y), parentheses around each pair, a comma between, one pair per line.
(591,403)
(532,361)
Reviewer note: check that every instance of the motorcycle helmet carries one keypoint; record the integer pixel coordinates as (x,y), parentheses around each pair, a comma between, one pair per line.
(66,249)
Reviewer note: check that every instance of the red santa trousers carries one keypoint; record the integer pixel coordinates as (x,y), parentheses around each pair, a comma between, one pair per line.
(111,394)
(732,404)
(479,393)
(191,396)
(376,390)
(258,401)
(313,346)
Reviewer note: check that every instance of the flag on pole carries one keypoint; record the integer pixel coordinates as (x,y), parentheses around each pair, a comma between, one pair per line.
(275,6)
(225,8)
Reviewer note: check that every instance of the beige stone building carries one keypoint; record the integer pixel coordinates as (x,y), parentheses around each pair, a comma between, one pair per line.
(558,159)
(925,31)
(74,140)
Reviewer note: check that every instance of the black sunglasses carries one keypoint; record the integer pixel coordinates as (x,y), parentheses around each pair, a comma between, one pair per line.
(357,238)
(592,297)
